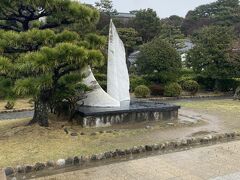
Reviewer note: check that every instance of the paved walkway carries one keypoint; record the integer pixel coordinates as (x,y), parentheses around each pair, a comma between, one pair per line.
(218,162)
(16,115)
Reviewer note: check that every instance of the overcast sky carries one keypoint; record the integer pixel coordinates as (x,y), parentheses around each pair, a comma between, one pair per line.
(164,8)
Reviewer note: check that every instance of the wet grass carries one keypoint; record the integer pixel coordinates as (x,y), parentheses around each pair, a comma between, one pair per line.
(223,105)
(21,144)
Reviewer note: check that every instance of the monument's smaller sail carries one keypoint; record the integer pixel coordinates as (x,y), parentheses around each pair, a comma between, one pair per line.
(117,72)
(97,97)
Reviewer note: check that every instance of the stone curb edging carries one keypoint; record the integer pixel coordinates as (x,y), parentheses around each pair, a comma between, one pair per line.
(167,147)
(15,110)
(189,97)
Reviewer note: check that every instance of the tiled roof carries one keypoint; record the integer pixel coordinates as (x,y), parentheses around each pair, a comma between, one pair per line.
(125,15)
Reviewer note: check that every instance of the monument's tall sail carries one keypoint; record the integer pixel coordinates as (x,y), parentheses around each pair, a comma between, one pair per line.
(117,72)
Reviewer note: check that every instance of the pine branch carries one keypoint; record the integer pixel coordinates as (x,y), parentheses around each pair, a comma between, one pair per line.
(54,25)
(68,70)
(5,27)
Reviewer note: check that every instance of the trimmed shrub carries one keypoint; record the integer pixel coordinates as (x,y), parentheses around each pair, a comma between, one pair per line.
(142,91)
(190,86)
(172,90)
(136,81)
(157,90)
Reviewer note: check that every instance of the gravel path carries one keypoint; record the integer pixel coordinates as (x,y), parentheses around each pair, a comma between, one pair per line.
(16,115)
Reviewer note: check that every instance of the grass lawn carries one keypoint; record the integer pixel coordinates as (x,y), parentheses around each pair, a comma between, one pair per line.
(223,105)
(19,104)
(21,144)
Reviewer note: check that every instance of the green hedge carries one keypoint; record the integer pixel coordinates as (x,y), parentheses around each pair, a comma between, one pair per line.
(223,85)
(172,90)
(136,81)
(142,91)
(190,86)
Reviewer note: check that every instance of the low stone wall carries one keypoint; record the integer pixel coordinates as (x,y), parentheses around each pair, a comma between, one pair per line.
(118,154)
(190,97)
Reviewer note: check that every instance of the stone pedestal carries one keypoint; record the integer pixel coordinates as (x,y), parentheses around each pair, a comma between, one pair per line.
(133,112)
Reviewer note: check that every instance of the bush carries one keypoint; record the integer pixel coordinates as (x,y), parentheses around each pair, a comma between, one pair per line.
(225,85)
(190,86)
(136,81)
(158,78)
(172,90)
(206,83)
(142,91)
(9,105)
(157,90)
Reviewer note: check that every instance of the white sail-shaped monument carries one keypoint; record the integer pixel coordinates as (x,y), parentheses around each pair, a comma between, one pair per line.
(100,108)
(117,77)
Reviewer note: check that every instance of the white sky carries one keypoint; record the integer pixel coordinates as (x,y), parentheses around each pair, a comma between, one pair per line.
(164,8)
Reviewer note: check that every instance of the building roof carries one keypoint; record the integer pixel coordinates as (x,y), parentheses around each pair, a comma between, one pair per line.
(125,15)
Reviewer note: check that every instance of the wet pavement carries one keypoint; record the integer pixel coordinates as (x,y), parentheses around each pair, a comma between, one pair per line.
(16,115)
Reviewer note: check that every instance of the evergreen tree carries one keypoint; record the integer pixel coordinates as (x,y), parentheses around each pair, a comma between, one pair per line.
(213,56)
(147,23)
(221,12)
(159,61)
(46,64)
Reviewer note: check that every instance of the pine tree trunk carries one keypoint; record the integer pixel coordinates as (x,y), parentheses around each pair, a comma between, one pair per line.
(40,113)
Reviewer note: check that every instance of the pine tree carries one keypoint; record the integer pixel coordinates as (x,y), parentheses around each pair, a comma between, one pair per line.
(40,57)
